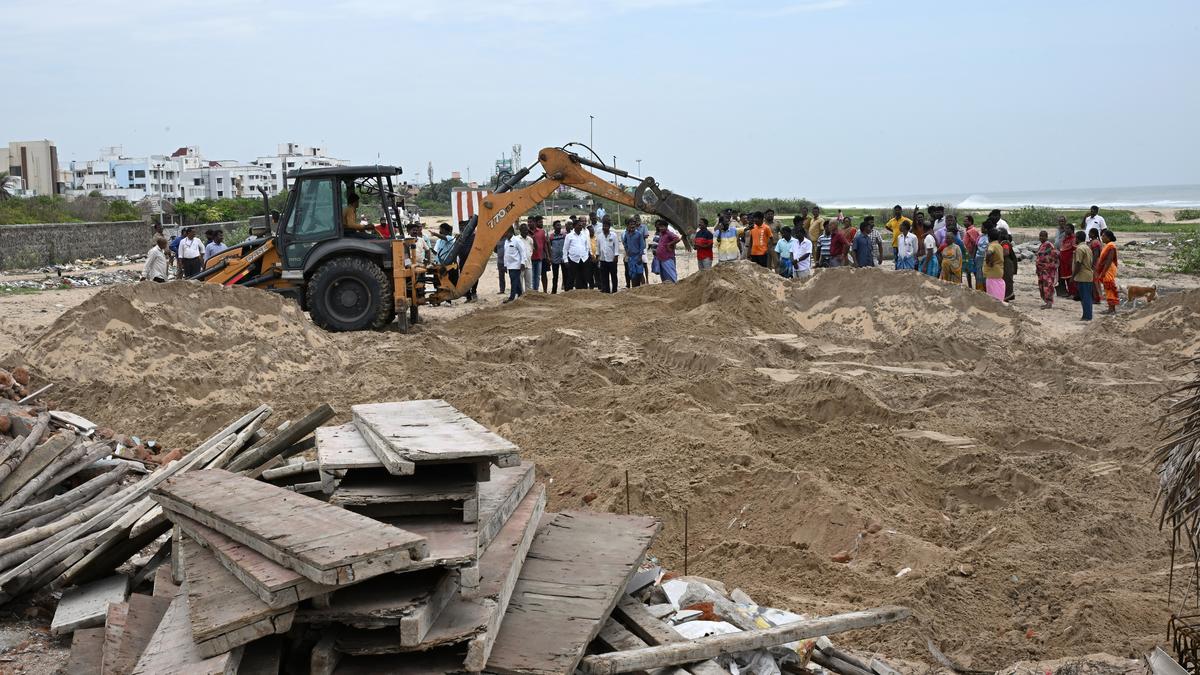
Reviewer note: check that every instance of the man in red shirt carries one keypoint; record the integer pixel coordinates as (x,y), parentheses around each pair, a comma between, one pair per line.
(703,240)
(541,253)
(838,247)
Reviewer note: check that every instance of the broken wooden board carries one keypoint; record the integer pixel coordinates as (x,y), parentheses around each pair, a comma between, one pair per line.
(325,543)
(650,631)
(406,433)
(617,638)
(390,496)
(87,652)
(65,418)
(408,603)
(274,584)
(128,629)
(171,649)
(223,613)
(39,458)
(86,606)
(475,621)
(577,567)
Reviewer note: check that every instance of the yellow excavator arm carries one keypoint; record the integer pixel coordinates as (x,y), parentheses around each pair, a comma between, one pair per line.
(501,210)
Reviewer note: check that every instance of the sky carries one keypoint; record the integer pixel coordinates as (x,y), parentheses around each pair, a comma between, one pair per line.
(719,99)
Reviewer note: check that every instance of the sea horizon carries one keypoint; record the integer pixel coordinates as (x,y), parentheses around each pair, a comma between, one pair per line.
(1131,197)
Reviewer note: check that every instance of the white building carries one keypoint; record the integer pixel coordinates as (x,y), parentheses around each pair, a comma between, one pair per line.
(292,156)
(225,180)
(114,174)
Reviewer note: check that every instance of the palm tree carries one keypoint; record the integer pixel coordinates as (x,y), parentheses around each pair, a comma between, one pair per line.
(5,190)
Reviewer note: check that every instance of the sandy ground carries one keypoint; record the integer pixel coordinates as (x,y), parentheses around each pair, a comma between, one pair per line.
(994,452)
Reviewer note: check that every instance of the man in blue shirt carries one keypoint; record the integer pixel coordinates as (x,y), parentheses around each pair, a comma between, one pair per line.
(634,242)
(864,253)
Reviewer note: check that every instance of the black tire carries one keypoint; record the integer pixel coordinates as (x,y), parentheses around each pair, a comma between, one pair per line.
(350,293)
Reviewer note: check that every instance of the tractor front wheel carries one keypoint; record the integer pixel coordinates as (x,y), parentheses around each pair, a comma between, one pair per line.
(350,293)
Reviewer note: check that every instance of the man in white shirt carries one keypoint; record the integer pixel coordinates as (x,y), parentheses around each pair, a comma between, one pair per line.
(527,270)
(1001,224)
(420,250)
(514,262)
(191,254)
(906,248)
(607,244)
(156,261)
(1094,221)
(577,250)
(801,254)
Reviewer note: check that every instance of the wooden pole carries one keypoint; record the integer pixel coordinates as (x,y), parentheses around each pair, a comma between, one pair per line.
(85,491)
(281,439)
(715,646)
(626,491)
(35,394)
(685,542)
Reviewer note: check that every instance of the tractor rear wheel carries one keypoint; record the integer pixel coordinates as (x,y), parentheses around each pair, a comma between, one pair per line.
(350,293)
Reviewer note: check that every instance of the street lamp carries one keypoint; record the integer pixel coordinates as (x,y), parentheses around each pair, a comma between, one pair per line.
(639,163)
(591,131)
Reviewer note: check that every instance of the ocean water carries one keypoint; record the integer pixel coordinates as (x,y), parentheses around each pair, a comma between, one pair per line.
(1152,196)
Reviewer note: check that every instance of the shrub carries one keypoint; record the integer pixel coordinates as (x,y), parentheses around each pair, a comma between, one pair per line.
(1187,214)
(1186,256)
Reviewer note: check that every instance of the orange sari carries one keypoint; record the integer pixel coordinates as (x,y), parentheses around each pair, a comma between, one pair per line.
(1106,274)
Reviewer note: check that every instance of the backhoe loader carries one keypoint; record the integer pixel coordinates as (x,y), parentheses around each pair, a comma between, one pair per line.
(354,277)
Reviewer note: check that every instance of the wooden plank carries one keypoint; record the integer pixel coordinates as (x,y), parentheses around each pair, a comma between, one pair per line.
(408,602)
(637,618)
(391,497)
(128,629)
(472,620)
(39,458)
(617,638)
(86,606)
(342,447)
(714,646)
(171,649)
(223,613)
(290,470)
(274,584)
(87,652)
(576,569)
(69,418)
(405,433)
(499,497)
(325,543)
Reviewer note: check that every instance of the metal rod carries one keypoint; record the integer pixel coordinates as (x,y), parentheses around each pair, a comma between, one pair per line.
(685,542)
(626,491)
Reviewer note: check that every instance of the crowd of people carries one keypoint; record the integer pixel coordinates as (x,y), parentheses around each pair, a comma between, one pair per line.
(584,251)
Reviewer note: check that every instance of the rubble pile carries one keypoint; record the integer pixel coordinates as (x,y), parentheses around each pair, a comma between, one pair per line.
(61,281)
(81,265)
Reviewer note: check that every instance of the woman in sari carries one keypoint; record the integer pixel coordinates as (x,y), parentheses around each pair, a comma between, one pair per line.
(1047,269)
(952,257)
(1066,254)
(1106,270)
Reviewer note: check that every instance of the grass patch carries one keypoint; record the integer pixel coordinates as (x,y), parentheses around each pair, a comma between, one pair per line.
(1187,214)
(6,291)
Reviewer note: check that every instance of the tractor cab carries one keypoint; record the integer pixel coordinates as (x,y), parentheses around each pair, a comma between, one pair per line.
(324,211)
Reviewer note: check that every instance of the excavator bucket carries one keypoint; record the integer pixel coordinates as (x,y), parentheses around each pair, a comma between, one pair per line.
(675,209)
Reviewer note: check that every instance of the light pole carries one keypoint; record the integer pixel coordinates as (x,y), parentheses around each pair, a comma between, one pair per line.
(639,163)
(591,131)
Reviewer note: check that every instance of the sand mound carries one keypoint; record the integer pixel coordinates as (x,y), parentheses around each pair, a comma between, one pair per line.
(144,350)
(873,303)
(1173,322)
(919,426)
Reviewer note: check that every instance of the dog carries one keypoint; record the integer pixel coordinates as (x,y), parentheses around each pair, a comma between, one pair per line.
(1150,293)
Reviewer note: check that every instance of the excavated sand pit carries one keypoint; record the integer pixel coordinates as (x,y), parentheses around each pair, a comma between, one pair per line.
(994,455)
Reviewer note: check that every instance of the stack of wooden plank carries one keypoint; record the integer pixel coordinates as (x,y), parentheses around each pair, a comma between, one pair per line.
(415,542)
